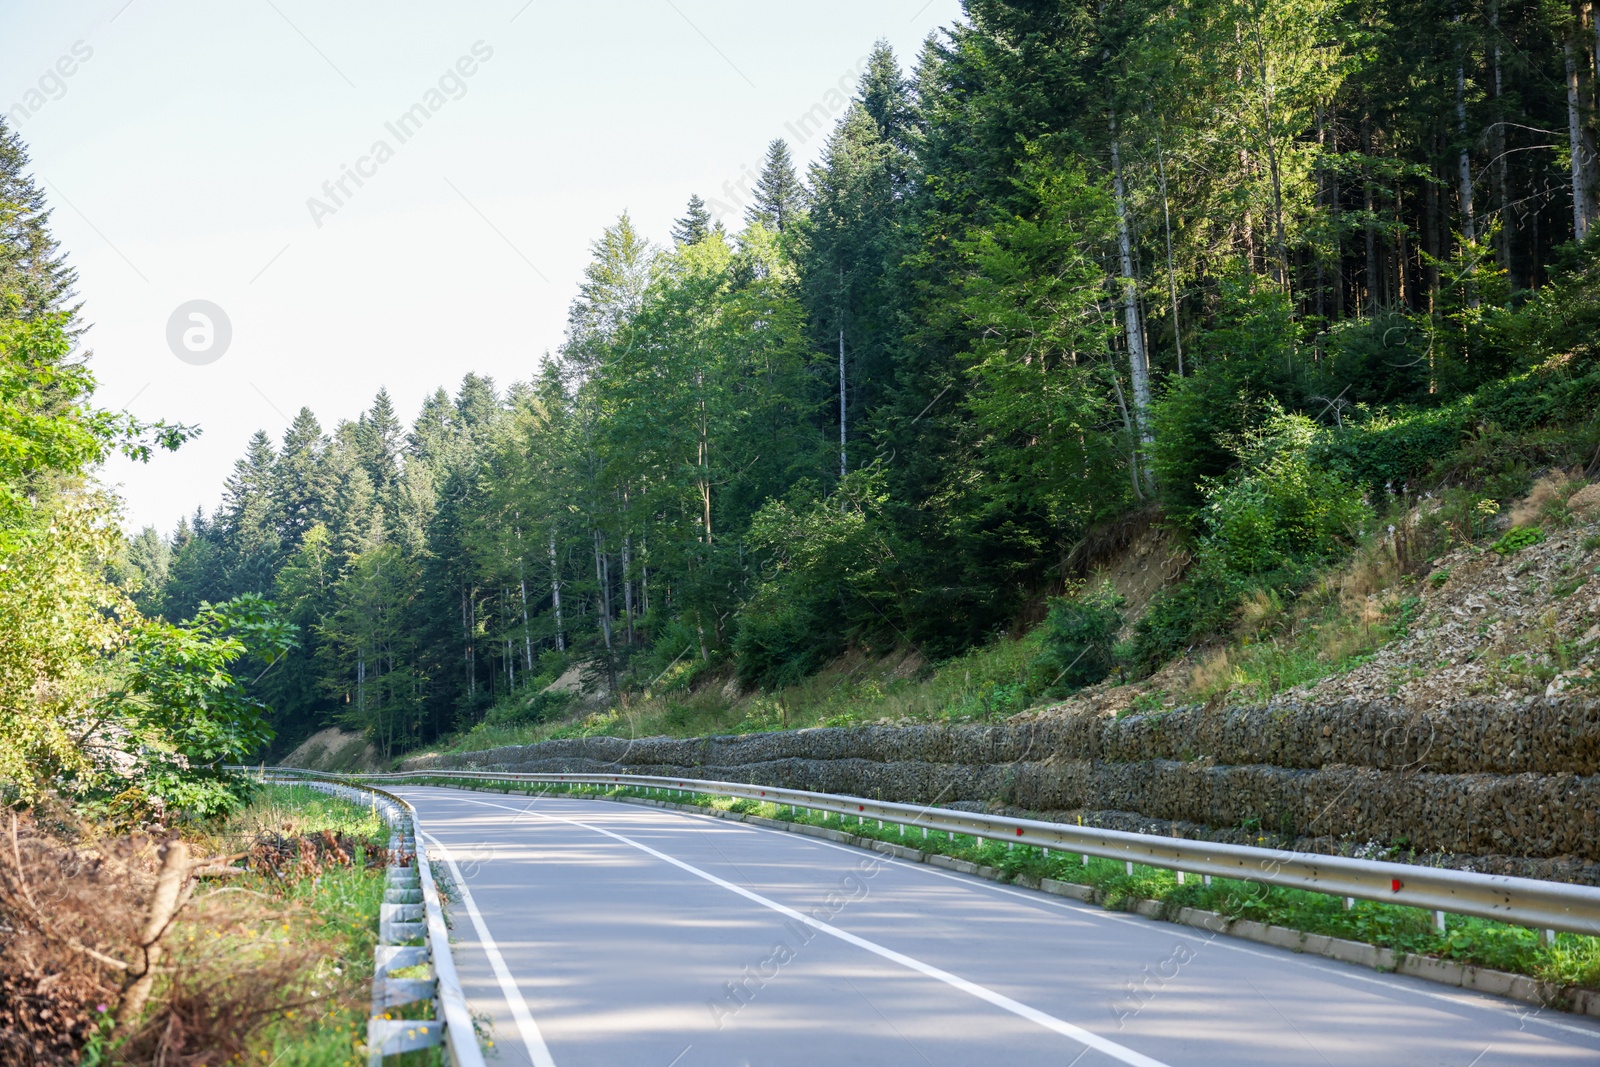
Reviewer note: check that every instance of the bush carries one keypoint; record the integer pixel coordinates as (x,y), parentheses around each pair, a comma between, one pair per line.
(1280,509)
(1517,539)
(1080,634)
(783,637)
(525,709)
(1242,364)
(1267,527)
(1382,359)
(1202,605)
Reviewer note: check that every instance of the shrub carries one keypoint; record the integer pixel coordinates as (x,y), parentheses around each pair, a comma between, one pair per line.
(1280,508)
(1202,605)
(1079,638)
(783,637)
(1381,359)
(525,709)
(1518,538)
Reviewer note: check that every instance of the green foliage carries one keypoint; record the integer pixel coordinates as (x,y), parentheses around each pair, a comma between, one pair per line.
(1518,538)
(60,617)
(530,706)
(1027,287)
(184,710)
(829,562)
(1377,361)
(1079,637)
(1247,363)
(1202,605)
(1278,509)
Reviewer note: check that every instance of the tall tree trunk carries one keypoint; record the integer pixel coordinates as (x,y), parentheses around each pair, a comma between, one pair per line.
(555,593)
(627,587)
(1498,175)
(1335,208)
(1435,226)
(1322,197)
(844,417)
(704,459)
(627,567)
(1374,289)
(522,587)
(511,659)
(1469,231)
(1172,277)
(1402,258)
(1280,270)
(1580,195)
(603,607)
(527,633)
(1138,363)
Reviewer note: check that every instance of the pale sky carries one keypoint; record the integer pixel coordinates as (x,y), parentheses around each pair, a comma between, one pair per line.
(179,142)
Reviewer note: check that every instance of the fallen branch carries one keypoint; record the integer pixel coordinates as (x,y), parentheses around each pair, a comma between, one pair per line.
(165,903)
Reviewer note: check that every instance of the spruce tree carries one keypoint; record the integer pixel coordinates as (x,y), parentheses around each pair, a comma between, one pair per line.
(33,272)
(303,486)
(779,197)
(250,538)
(695,225)
(378,443)
(885,94)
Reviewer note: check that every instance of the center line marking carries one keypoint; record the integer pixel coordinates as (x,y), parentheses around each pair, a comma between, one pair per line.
(1120,1053)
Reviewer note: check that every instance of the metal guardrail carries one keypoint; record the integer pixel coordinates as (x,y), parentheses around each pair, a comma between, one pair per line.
(1528,902)
(403,918)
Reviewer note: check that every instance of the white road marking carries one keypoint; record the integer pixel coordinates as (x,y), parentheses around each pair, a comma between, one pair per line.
(1120,1053)
(1331,969)
(538,1052)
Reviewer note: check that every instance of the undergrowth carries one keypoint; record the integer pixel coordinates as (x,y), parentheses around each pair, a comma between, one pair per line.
(338,904)
(983,685)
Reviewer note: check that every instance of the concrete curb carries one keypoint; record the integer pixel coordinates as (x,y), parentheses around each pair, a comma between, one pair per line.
(1443,972)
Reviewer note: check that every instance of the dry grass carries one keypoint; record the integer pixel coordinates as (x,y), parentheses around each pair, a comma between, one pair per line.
(225,960)
(1546,501)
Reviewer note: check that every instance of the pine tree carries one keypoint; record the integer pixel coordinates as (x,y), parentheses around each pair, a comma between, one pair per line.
(779,197)
(885,94)
(250,521)
(695,224)
(33,271)
(612,290)
(378,442)
(150,556)
(303,486)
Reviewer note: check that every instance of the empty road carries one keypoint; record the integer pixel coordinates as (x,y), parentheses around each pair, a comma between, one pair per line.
(598,934)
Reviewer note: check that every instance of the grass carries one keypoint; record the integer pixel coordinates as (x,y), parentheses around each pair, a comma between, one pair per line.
(983,685)
(1572,959)
(338,908)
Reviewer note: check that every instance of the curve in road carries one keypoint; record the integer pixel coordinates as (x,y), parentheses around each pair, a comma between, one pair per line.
(607,934)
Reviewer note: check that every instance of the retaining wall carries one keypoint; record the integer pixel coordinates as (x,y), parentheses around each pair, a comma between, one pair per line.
(1513,788)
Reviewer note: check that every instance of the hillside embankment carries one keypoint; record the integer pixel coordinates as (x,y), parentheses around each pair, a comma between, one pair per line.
(1493,786)
(1471,738)
(336,751)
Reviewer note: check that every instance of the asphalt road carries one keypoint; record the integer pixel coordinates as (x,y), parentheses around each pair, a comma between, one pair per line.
(605,934)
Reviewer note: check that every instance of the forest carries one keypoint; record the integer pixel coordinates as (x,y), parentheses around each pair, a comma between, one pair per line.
(1261,269)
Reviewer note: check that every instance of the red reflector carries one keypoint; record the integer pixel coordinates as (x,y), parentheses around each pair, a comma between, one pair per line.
(1019,831)
(1397,885)
(861,807)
